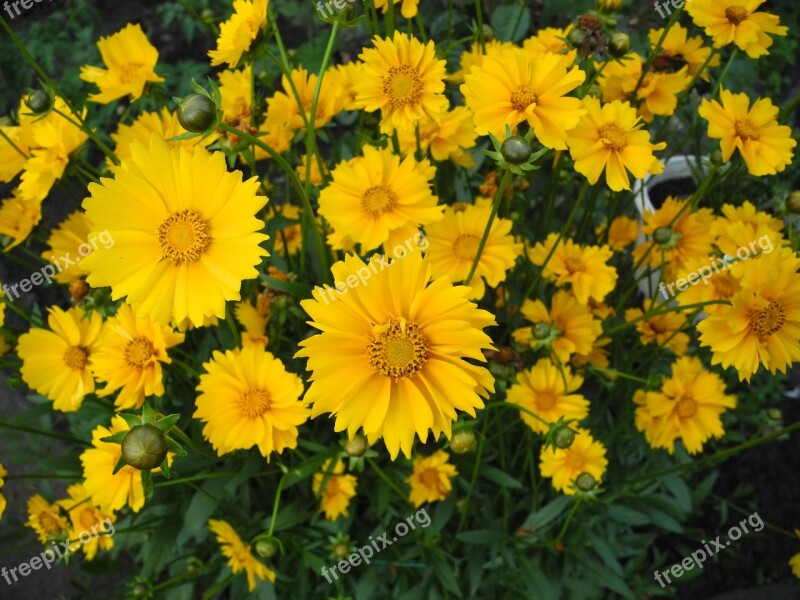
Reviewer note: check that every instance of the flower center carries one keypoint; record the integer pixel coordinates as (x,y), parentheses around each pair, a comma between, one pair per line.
(430,478)
(87,518)
(686,408)
(183,237)
(139,351)
(736,14)
(403,86)
(573,265)
(768,320)
(378,200)
(747,130)
(466,246)
(725,287)
(129,72)
(49,524)
(574,460)
(255,402)
(613,137)
(545,400)
(522,97)
(399,351)
(76,357)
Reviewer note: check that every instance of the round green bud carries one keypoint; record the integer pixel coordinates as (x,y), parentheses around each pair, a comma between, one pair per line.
(662,235)
(716,158)
(793,202)
(39,101)
(145,447)
(775,414)
(266,548)
(585,482)
(463,441)
(341,550)
(516,150)
(541,331)
(196,113)
(619,44)
(563,438)
(139,590)
(488,32)
(577,37)
(357,446)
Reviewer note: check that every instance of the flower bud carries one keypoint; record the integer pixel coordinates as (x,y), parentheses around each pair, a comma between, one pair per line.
(585,482)
(793,202)
(145,447)
(488,32)
(357,446)
(341,550)
(563,438)
(775,414)
(516,150)
(196,113)
(39,101)
(716,158)
(266,548)
(541,331)
(662,235)
(608,5)
(619,44)
(577,37)
(463,441)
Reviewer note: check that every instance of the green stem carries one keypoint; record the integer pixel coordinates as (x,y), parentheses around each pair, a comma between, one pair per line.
(656,50)
(276,504)
(479,16)
(571,514)
(386,479)
(718,87)
(51,434)
(216,475)
(497,200)
(178,432)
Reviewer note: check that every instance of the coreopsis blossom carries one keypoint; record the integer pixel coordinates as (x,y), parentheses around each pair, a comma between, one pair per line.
(18,217)
(64,242)
(687,407)
(254,317)
(453,246)
(13,151)
(238,553)
(184,230)
(247,398)
(447,137)
(3,473)
(337,491)
(663,329)
(549,393)
(342,79)
(720,285)
(391,356)
(130,352)
(568,327)
(57,362)
(739,226)
(316,177)
(237,34)
(737,21)
(564,465)
(474,57)
(408,8)
(111,491)
(611,138)
(45,518)
(552,40)
(85,517)
(585,268)
(402,78)
(762,326)
(430,480)
(689,240)
(765,146)
(236,99)
(378,193)
(130,61)
(282,105)
(513,86)
(621,233)
(679,49)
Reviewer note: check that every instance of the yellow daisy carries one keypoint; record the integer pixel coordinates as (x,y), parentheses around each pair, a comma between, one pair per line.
(765,146)
(662,329)
(688,406)
(548,392)
(584,267)
(45,519)
(402,78)
(408,8)
(564,465)
(236,35)
(239,556)
(553,40)
(621,233)
(679,50)
(447,137)
(378,193)
(391,358)
(254,317)
(130,59)
(430,481)
(184,230)
(794,564)
(453,246)
(18,217)
(513,86)
(64,242)
(737,21)
(247,398)
(739,226)
(339,489)
(57,362)
(129,357)
(474,57)
(85,518)
(282,106)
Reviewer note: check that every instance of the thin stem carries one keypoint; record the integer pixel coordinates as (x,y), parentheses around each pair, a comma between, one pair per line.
(51,434)
(276,504)
(479,16)
(571,514)
(718,87)
(386,479)
(497,200)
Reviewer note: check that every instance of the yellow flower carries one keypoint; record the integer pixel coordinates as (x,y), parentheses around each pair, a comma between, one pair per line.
(621,233)
(794,563)
(663,329)
(64,241)
(678,49)
(57,363)
(18,217)
(739,226)
(289,239)
(453,246)
(474,56)
(765,146)
(45,519)
(430,481)
(408,9)
(254,317)
(568,327)
(342,78)
(585,455)
(736,21)
(391,355)
(236,35)
(109,491)
(239,556)
(373,195)
(3,473)
(690,241)
(86,518)
(611,138)
(688,406)
(762,327)
(402,78)
(130,60)
(338,490)
(129,356)
(447,137)
(545,391)
(553,40)
(282,106)
(12,160)
(513,86)
(247,398)
(722,284)
(315,178)
(584,267)
(184,230)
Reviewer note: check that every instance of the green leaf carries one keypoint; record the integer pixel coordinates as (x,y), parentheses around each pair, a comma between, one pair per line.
(482,537)
(548,513)
(510,23)
(148,414)
(168,422)
(627,515)
(293,288)
(116,438)
(131,420)
(120,463)
(501,478)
